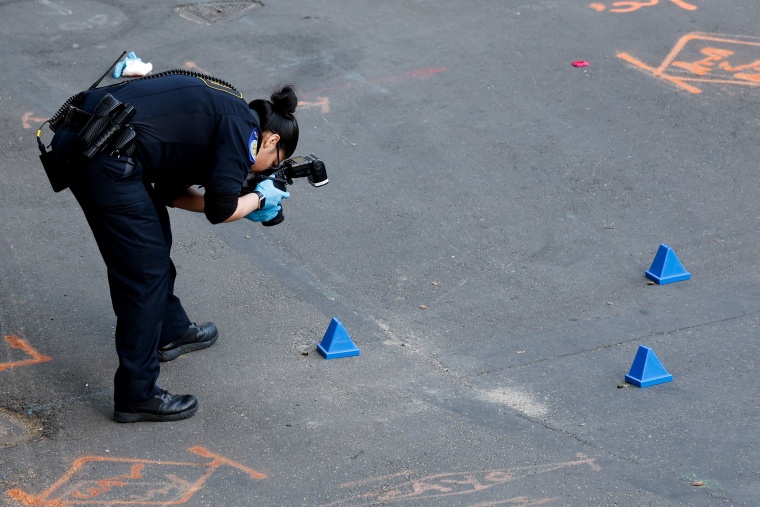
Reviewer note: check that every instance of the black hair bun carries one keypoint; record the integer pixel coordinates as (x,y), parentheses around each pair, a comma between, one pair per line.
(285,101)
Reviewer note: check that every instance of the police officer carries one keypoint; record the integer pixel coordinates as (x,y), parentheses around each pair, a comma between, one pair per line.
(189,132)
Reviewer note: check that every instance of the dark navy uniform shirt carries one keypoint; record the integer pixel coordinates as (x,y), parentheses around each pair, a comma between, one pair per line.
(190,131)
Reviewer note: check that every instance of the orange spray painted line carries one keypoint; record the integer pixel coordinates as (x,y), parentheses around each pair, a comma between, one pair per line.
(68,491)
(19,343)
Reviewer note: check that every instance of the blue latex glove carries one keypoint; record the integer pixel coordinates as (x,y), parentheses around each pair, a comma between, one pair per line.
(272,194)
(119,68)
(263,215)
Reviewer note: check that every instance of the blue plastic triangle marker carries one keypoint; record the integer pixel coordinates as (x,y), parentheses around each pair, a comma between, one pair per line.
(666,268)
(647,370)
(336,342)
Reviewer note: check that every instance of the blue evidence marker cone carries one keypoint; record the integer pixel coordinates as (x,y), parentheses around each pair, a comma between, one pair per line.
(336,342)
(646,369)
(666,268)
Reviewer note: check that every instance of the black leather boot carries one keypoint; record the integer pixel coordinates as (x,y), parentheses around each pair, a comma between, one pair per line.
(196,338)
(162,407)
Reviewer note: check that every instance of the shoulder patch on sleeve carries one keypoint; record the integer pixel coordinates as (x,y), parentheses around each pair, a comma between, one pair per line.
(253,145)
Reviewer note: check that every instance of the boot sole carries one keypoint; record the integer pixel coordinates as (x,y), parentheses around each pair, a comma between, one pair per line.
(131,417)
(171,355)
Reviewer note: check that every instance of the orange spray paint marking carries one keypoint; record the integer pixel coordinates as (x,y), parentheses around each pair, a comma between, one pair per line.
(684,5)
(631,6)
(415,74)
(453,484)
(27,117)
(707,58)
(101,480)
(105,485)
(322,102)
(194,67)
(18,343)
(706,65)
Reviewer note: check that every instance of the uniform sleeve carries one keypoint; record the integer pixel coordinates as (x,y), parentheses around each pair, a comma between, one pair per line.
(229,168)
(166,193)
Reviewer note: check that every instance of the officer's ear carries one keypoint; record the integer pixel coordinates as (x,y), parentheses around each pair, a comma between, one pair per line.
(270,140)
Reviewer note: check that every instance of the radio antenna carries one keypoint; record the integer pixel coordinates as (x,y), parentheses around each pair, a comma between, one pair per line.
(96,83)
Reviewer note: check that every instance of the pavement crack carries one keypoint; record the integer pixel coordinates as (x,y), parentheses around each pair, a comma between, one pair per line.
(611,345)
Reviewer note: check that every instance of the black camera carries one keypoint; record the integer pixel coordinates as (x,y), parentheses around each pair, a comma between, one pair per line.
(297,167)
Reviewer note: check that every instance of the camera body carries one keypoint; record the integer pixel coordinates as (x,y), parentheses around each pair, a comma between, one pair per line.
(298,167)
(308,166)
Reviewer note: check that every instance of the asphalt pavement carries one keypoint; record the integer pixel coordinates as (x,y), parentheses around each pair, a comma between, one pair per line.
(501,176)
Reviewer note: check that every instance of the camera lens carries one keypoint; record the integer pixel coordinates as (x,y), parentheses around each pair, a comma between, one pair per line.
(318,174)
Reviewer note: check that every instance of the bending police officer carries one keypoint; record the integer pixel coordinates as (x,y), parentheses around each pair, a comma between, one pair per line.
(183,131)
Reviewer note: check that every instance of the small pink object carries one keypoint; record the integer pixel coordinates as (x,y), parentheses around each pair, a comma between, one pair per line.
(580,63)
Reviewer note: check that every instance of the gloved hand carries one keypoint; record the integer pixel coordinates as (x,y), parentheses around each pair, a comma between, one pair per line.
(263,215)
(131,66)
(272,194)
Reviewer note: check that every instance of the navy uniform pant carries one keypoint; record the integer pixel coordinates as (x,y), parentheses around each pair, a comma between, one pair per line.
(133,234)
